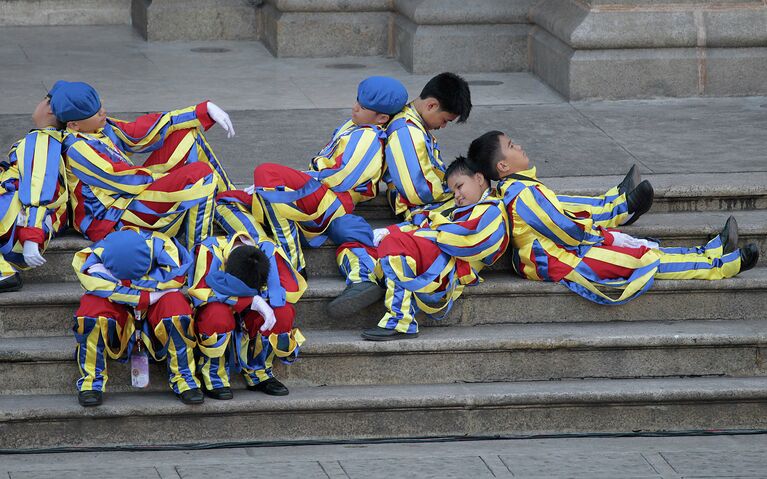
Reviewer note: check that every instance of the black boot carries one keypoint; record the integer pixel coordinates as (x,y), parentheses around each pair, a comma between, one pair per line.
(749,255)
(13,283)
(271,387)
(630,181)
(354,298)
(729,235)
(382,334)
(219,394)
(639,201)
(191,396)
(90,398)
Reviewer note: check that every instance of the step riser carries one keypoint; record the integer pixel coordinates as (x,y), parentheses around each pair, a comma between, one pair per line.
(699,204)
(58,377)
(418,421)
(471,309)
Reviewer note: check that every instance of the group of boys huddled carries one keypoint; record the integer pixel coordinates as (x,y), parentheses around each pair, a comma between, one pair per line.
(152,228)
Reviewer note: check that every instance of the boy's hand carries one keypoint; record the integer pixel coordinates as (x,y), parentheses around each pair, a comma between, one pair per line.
(627,241)
(155,296)
(221,117)
(32,254)
(378,235)
(260,306)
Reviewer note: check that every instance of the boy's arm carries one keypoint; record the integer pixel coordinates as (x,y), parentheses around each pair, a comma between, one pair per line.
(95,169)
(199,290)
(356,160)
(96,280)
(416,172)
(544,214)
(37,158)
(148,132)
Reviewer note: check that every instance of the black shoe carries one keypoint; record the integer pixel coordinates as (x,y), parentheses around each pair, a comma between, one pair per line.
(304,273)
(191,396)
(90,398)
(630,181)
(729,235)
(382,334)
(639,201)
(271,387)
(354,298)
(749,255)
(13,283)
(220,394)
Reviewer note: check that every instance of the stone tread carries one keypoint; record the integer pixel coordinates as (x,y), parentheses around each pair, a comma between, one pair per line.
(534,336)
(398,397)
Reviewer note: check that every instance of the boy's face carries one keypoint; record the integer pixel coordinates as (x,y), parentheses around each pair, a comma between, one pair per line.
(90,125)
(467,189)
(433,115)
(365,116)
(513,157)
(43,117)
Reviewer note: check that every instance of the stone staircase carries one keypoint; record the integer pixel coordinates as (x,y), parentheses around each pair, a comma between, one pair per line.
(514,356)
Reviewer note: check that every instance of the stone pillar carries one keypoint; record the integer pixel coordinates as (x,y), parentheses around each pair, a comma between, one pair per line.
(327,28)
(460,35)
(196,19)
(650,48)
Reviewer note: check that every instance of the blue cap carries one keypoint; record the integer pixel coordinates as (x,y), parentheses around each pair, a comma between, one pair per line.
(382,94)
(126,254)
(73,101)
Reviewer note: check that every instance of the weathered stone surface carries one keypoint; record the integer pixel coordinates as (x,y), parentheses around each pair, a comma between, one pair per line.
(64,12)
(444,12)
(331,5)
(195,19)
(736,71)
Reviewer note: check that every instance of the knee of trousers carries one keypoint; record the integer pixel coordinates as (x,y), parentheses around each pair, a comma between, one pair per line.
(214,318)
(171,304)
(284,316)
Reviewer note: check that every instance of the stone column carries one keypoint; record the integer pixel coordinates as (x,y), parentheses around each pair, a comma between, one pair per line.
(196,19)
(650,48)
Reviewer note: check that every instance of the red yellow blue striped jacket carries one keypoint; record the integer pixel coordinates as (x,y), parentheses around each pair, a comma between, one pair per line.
(352,162)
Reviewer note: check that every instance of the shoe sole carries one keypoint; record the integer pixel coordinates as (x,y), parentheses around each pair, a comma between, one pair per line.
(389,338)
(347,306)
(644,210)
(730,243)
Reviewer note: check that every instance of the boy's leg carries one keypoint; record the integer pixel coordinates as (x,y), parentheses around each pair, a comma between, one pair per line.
(101,328)
(171,337)
(608,211)
(215,324)
(704,262)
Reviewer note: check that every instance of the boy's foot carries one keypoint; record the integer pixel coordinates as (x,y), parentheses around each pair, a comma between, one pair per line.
(354,298)
(382,334)
(749,255)
(639,201)
(11,283)
(729,235)
(90,398)
(191,396)
(220,394)
(630,181)
(271,387)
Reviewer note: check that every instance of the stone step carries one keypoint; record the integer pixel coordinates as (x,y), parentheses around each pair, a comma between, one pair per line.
(510,352)
(389,411)
(45,309)
(64,12)
(675,229)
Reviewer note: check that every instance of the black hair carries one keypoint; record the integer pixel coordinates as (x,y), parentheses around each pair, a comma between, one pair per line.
(485,153)
(249,264)
(452,93)
(463,166)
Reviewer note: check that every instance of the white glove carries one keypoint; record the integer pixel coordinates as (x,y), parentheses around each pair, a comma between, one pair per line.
(379,234)
(154,296)
(259,305)
(32,254)
(221,117)
(626,241)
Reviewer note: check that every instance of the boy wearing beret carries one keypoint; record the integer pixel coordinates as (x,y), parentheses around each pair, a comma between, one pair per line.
(128,275)
(171,192)
(33,197)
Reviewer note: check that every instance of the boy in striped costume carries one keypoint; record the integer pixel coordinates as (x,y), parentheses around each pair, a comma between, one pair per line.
(133,274)
(33,197)
(171,192)
(585,254)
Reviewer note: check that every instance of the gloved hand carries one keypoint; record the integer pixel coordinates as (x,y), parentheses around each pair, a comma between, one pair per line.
(379,234)
(154,296)
(221,117)
(32,255)
(261,307)
(627,241)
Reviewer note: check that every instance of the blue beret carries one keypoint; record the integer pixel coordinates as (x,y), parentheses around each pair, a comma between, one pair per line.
(382,94)
(126,254)
(73,101)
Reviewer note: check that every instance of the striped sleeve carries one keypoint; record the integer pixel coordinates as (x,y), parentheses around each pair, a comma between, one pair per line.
(104,285)
(207,257)
(356,160)
(96,170)
(148,132)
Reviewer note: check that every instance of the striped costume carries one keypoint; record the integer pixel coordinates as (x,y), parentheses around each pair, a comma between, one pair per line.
(219,316)
(33,196)
(425,266)
(553,244)
(415,173)
(171,192)
(105,322)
